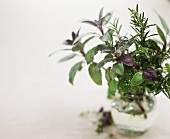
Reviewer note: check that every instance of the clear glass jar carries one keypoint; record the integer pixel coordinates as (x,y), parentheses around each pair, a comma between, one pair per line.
(133,115)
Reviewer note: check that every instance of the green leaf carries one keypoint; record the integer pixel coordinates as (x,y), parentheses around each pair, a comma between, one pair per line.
(112,88)
(73,71)
(112,73)
(142,51)
(107,37)
(102,63)
(92,52)
(81,36)
(95,75)
(67,58)
(78,46)
(137,79)
(153,45)
(119,68)
(88,39)
(103,48)
(107,74)
(108,56)
(167,67)
(127,44)
(106,18)
(58,51)
(161,34)
(90,55)
(164,24)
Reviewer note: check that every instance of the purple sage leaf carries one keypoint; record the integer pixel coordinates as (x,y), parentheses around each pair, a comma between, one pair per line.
(150,74)
(127,59)
(90,22)
(101,13)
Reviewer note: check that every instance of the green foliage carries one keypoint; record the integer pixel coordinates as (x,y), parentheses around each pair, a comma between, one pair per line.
(78,46)
(73,71)
(106,18)
(161,34)
(167,67)
(67,57)
(90,55)
(126,70)
(107,37)
(118,68)
(102,63)
(112,88)
(137,79)
(107,74)
(95,75)
(164,24)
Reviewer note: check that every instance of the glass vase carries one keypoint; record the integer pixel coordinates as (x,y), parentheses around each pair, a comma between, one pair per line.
(133,115)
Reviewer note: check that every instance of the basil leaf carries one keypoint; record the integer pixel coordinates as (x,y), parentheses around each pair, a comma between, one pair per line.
(137,79)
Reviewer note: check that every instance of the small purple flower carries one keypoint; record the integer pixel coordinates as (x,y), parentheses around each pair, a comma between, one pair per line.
(150,74)
(127,59)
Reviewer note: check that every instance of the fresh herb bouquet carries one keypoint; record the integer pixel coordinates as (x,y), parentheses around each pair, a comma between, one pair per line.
(138,62)
(134,65)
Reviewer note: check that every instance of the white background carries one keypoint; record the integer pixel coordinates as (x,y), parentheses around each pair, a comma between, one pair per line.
(36,100)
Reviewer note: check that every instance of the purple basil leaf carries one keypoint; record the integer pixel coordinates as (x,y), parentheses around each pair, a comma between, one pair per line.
(150,74)
(90,22)
(127,59)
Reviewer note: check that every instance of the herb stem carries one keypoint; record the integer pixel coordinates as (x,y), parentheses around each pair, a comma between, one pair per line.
(141,108)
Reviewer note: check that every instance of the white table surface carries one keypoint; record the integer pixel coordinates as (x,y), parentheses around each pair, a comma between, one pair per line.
(36,100)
